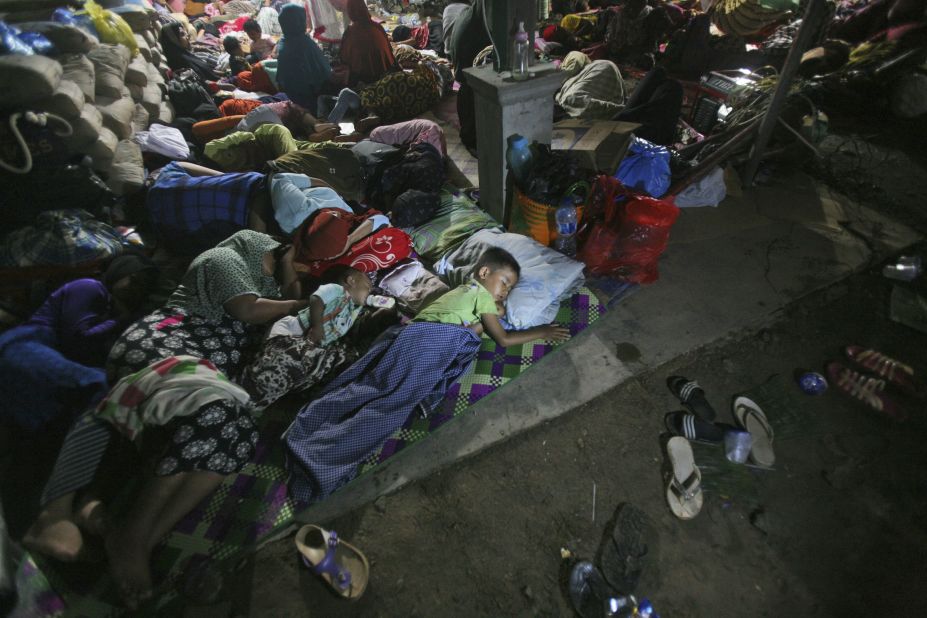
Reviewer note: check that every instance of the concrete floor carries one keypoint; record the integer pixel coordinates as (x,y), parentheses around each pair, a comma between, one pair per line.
(726,269)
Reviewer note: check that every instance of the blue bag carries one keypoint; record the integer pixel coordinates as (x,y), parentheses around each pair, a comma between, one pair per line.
(646,168)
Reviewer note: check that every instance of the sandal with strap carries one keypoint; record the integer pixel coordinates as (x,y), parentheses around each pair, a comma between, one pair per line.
(751,418)
(884,366)
(867,389)
(692,396)
(684,483)
(341,565)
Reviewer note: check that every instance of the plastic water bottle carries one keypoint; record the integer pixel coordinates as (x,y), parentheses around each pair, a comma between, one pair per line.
(518,156)
(520,56)
(566,218)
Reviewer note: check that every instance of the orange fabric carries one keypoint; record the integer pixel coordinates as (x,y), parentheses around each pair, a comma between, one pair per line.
(256,80)
(238,107)
(208,130)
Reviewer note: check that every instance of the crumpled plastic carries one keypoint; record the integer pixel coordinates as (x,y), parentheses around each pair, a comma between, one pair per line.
(15,41)
(110,27)
(646,168)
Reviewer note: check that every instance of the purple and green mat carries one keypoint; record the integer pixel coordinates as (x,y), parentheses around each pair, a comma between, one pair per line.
(253,505)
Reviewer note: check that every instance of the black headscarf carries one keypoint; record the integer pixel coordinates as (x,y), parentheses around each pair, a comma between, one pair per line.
(178,57)
(126,265)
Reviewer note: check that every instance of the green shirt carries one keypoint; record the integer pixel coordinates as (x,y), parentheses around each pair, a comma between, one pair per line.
(463,305)
(234,267)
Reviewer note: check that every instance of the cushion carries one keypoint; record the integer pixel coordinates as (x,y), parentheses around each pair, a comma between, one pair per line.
(80,70)
(67,102)
(547,276)
(134,15)
(457,219)
(166,113)
(152,97)
(143,47)
(25,79)
(66,39)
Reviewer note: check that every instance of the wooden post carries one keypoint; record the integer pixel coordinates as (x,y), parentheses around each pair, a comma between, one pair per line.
(809,25)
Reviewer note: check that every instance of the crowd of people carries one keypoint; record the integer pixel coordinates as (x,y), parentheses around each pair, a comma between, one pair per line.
(285,221)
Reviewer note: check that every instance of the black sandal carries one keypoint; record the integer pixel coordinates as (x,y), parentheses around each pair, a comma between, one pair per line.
(692,396)
(693,428)
(623,555)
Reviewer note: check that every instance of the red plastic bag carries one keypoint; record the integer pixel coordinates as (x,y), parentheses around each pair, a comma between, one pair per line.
(627,233)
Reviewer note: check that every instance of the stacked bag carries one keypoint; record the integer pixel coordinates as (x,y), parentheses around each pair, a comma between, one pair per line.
(108,84)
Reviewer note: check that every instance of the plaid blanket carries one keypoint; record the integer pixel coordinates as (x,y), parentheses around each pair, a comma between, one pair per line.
(194,213)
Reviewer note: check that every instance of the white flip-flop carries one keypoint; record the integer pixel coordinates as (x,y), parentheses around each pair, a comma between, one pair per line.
(684,485)
(751,418)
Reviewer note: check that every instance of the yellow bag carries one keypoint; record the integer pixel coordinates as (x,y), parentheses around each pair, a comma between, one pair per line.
(111,27)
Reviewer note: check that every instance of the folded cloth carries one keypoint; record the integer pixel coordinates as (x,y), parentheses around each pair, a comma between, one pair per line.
(409,368)
(175,386)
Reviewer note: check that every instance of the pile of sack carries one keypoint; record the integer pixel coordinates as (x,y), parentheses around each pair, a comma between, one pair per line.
(103,73)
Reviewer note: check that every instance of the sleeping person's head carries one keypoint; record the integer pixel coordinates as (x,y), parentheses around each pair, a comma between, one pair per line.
(354,282)
(497,271)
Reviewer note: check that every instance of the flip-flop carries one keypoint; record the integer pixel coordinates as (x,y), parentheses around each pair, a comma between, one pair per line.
(692,396)
(625,551)
(885,367)
(684,483)
(341,565)
(751,418)
(691,427)
(867,389)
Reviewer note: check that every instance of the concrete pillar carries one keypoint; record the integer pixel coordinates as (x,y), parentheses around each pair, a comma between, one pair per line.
(505,107)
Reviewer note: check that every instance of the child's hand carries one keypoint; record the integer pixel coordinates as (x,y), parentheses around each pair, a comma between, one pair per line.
(500,309)
(316,333)
(554,332)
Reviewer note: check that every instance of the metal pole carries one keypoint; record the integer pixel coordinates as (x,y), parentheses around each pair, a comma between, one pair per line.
(809,25)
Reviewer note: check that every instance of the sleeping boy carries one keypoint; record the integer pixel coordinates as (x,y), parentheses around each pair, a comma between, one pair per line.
(303,349)
(409,368)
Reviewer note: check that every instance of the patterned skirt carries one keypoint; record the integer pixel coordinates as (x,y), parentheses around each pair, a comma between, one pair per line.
(219,437)
(292,364)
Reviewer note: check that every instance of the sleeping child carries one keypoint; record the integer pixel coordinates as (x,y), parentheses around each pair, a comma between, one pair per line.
(302,349)
(409,368)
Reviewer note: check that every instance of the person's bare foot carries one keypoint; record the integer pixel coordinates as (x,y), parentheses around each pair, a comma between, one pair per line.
(324,136)
(346,139)
(128,565)
(91,517)
(57,538)
(325,126)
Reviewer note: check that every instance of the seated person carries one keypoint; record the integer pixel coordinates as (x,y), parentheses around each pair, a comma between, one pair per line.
(302,69)
(238,62)
(365,48)
(302,350)
(262,46)
(410,368)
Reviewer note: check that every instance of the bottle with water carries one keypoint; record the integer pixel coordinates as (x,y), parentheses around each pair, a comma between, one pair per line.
(520,57)
(566,217)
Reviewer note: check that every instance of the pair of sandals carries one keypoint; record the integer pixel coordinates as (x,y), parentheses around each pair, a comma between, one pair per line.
(870,387)
(683,482)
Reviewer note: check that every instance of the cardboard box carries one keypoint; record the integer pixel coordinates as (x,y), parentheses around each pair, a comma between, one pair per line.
(600,144)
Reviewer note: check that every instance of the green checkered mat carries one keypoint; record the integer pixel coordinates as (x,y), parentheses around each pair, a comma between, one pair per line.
(253,504)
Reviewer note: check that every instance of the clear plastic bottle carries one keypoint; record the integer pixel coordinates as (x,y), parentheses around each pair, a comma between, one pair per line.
(520,56)
(566,218)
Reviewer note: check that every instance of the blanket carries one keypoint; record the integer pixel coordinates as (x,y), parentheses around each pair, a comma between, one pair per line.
(409,367)
(39,384)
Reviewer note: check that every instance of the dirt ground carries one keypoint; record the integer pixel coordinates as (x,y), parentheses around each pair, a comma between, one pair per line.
(837,529)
